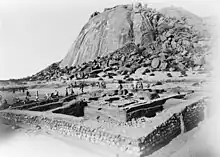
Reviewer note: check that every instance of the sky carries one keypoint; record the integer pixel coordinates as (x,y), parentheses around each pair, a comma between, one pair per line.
(37,33)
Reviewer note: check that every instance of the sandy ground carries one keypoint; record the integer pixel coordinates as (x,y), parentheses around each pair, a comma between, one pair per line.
(23,144)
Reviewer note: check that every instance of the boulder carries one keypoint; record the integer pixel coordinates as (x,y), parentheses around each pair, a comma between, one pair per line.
(152,74)
(148,62)
(183,73)
(146,70)
(169,75)
(180,67)
(163,66)
(158,83)
(155,62)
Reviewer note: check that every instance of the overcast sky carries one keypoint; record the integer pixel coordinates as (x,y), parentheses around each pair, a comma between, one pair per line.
(36,33)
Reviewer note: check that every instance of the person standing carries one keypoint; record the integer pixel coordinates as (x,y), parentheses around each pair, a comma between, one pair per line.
(81,86)
(141,85)
(37,96)
(71,91)
(103,84)
(28,93)
(26,99)
(135,84)
(71,85)
(47,96)
(57,93)
(5,102)
(120,87)
(52,95)
(67,92)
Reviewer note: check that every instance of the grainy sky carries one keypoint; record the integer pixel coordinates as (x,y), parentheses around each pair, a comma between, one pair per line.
(36,33)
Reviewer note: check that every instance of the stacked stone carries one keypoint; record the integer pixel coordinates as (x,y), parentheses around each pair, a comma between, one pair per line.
(161,136)
(78,130)
(143,146)
(193,114)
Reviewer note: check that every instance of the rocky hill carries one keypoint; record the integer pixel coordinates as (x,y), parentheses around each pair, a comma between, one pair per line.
(179,13)
(127,37)
(107,31)
(202,24)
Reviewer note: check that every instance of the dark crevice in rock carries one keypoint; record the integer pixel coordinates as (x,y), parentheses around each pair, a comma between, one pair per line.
(131,31)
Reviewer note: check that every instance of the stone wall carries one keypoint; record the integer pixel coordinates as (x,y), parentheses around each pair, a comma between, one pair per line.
(161,136)
(143,146)
(149,109)
(75,109)
(46,107)
(167,131)
(76,129)
(192,115)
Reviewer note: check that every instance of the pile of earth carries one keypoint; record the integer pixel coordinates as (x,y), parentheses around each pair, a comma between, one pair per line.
(124,38)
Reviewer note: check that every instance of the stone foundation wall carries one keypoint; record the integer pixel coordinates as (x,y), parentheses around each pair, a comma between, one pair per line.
(143,146)
(149,109)
(76,109)
(76,129)
(167,131)
(161,136)
(192,115)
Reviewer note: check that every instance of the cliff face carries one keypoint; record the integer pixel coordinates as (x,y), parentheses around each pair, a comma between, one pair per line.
(107,31)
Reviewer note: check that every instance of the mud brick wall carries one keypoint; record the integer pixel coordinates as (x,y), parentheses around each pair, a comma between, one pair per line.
(161,136)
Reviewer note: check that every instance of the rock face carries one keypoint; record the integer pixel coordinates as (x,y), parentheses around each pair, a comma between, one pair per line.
(108,31)
(124,38)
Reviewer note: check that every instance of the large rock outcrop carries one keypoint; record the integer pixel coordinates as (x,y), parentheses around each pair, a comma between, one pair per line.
(107,31)
(125,38)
